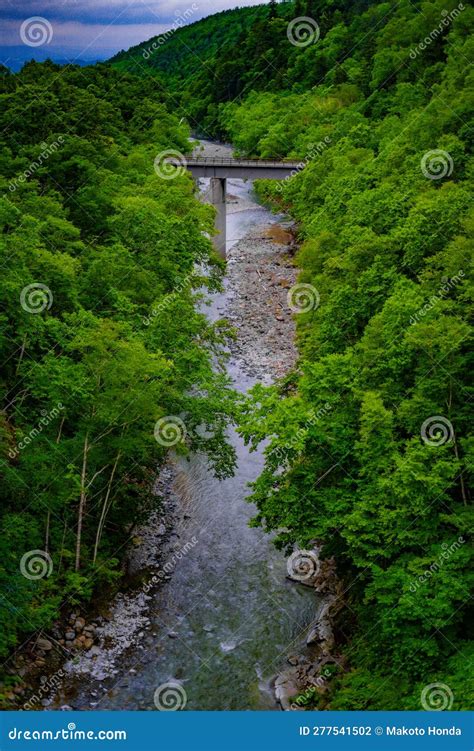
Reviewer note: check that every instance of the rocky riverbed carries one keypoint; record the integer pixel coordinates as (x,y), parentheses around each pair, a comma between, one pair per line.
(229,605)
(261,273)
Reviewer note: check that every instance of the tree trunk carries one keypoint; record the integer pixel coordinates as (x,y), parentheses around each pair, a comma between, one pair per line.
(46,541)
(461,478)
(58,437)
(82,503)
(105,509)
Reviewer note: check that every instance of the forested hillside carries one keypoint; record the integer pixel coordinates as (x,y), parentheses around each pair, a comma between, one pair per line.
(105,366)
(98,349)
(370,451)
(382,474)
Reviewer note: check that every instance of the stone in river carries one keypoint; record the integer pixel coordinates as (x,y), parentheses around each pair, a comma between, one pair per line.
(44,644)
(286,688)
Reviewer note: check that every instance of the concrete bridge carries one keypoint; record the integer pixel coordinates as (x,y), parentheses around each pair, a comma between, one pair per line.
(220,169)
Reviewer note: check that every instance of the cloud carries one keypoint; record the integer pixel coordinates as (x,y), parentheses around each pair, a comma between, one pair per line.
(104,26)
(86,38)
(112,11)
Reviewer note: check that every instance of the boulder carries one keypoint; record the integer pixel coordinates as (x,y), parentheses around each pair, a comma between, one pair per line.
(321,633)
(286,688)
(44,644)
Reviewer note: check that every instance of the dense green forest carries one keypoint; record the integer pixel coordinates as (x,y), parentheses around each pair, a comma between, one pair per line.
(103,364)
(386,227)
(369,449)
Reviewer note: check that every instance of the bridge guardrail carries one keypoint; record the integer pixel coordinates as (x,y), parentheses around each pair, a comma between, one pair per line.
(220,161)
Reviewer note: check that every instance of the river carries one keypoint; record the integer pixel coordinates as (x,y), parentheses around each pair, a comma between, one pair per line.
(226,621)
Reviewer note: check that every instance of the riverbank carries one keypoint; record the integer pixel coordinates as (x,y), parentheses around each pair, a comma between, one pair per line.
(215,597)
(260,274)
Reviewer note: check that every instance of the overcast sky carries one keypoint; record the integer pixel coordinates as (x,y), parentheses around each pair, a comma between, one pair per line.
(96,27)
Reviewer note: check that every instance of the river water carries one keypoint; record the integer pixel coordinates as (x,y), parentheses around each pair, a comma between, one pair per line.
(226,621)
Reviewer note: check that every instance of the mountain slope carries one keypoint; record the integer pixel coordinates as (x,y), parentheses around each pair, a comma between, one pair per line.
(369,444)
(180,52)
(222,57)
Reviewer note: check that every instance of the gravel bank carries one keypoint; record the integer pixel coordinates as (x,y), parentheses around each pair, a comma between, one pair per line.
(259,275)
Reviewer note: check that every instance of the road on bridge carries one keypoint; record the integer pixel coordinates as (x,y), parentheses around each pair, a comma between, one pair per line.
(219,169)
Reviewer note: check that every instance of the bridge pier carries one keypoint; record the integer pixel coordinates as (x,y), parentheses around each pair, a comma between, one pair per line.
(218,170)
(218,200)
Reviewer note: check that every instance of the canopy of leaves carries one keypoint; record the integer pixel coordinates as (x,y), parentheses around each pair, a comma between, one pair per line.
(110,343)
(386,240)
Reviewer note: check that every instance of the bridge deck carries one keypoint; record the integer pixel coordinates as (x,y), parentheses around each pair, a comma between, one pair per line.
(229,162)
(224,167)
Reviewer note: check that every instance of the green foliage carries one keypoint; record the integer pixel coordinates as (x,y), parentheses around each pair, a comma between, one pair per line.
(387,248)
(389,251)
(117,344)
